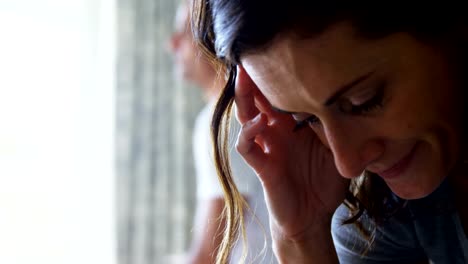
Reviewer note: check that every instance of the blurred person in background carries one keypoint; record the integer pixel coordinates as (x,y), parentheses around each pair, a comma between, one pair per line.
(192,66)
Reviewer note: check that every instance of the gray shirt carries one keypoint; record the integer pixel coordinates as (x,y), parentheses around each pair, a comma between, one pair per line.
(427,229)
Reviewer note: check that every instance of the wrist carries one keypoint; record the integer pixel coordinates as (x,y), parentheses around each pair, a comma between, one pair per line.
(315,245)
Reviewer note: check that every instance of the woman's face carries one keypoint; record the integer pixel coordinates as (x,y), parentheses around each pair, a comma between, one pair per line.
(190,64)
(389,105)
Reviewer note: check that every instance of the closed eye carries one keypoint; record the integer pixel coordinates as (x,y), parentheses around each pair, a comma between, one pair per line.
(372,104)
(368,106)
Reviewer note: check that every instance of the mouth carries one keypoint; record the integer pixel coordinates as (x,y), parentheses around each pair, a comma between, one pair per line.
(399,167)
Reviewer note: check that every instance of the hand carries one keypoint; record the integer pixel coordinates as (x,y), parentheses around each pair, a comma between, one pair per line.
(301,183)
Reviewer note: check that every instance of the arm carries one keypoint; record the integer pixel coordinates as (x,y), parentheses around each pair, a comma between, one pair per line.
(208,231)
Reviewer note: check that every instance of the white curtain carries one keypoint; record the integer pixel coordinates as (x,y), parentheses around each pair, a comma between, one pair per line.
(155,116)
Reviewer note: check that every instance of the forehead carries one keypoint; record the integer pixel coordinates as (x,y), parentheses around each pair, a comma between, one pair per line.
(294,72)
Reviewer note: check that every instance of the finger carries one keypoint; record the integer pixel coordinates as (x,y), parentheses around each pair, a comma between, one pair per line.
(274,116)
(247,145)
(249,131)
(260,141)
(244,98)
(263,105)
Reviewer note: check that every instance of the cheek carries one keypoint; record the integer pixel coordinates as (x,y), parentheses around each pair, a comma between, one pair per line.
(188,51)
(427,121)
(419,116)
(405,114)
(423,98)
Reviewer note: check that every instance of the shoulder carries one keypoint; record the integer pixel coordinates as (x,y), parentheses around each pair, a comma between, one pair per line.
(393,242)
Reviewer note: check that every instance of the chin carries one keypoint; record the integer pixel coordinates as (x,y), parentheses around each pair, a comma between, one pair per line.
(416,188)
(423,176)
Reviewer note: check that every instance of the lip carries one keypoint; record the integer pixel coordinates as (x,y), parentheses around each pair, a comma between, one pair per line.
(399,167)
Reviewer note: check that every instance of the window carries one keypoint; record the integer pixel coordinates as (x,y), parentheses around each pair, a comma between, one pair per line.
(56,131)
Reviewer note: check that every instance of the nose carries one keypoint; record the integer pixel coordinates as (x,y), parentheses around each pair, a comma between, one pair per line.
(174,42)
(353,148)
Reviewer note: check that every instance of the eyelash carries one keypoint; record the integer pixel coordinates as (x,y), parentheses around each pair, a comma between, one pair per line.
(312,120)
(372,104)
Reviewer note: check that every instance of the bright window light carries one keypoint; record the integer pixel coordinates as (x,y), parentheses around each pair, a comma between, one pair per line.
(56,131)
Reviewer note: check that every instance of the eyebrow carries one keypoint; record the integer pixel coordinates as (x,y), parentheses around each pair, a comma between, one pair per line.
(336,95)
